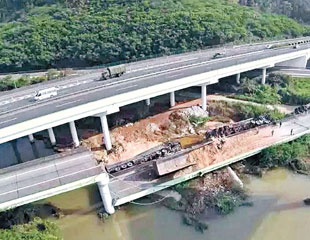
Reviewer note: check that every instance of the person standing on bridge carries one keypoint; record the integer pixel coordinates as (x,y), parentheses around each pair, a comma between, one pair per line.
(280,124)
(292,131)
(272,132)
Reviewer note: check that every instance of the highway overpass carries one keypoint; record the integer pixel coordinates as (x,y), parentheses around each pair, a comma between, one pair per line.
(84,96)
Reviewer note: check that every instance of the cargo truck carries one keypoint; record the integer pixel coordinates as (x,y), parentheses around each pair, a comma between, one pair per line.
(112,72)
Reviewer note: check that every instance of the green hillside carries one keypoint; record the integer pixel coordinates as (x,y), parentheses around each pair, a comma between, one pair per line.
(85,33)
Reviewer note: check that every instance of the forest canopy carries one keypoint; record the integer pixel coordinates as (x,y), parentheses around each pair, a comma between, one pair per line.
(74,33)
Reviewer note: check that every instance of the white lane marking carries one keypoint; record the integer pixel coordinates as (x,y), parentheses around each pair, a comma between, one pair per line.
(175,75)
(120,89)
(163,64)
(8,120)
(60,105)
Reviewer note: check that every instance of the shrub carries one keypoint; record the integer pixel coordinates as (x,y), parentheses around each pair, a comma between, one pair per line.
(197,121)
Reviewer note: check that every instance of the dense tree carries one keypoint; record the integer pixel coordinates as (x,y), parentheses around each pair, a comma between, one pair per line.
(114,30)
(36,230)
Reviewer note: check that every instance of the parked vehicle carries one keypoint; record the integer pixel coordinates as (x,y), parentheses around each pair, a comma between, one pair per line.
(111,72)
(45,93)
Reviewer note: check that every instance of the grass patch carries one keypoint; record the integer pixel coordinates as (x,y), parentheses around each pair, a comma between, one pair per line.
(197,121)
(240,111)
(38,229)
(280,89)
(8,83)
(297,91)
(264,94)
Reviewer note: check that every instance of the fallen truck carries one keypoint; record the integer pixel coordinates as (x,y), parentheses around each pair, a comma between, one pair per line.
(164,150)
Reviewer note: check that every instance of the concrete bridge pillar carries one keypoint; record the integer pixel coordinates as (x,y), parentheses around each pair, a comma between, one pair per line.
(74,134)
(31,138)
(238,78)
(264,75)
(204,97)
(106,132)
(103,185)
(172,99)
(148,101)
(52,136)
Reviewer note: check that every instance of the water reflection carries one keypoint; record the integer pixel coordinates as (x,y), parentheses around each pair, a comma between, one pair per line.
(277,214)
(21,150)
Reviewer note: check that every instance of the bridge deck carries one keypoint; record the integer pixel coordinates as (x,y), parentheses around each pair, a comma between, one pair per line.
(142,181)
(44,174)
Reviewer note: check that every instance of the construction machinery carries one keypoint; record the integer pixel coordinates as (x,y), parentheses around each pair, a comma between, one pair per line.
(112,72)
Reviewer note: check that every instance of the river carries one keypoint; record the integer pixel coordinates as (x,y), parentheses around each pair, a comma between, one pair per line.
(277,213)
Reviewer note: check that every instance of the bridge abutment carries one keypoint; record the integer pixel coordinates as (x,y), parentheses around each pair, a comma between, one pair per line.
(106,133)
(52,136)
(74,134)
(103,185)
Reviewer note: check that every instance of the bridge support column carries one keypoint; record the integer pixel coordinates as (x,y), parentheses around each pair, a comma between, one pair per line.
(204,97)
(31,138)
(103,185)
(172,99)
(52,136)
(74,134)
(106,132)
(235,177)
(264,75)
(238,78)
(148,101)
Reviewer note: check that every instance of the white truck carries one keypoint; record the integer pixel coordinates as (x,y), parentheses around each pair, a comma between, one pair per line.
(45,93)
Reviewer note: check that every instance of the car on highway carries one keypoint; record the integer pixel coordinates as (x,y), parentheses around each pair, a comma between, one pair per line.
(218,55)
(269,46)
(45,93)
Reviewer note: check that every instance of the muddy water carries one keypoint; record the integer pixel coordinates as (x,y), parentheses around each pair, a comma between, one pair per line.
(277,214)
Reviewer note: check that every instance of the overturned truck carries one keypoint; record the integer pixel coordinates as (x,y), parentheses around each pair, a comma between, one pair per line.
(161,151)
(239,127)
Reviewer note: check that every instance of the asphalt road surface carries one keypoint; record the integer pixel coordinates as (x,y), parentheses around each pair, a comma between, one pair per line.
(19,105)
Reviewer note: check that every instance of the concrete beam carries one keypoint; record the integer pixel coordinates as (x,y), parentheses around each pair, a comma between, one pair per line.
(31,138)
(74,134)
(52,136)
(106,132)
(47,193)
(204,97)
(172,99)
(148,101)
